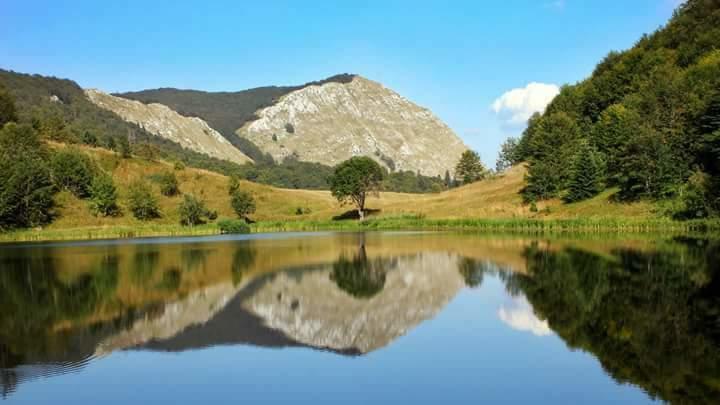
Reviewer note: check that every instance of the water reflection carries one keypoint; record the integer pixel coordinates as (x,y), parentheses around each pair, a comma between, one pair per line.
(650,314)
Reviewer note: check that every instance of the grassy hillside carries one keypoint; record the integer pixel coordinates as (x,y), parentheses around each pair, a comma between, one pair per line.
(277,209)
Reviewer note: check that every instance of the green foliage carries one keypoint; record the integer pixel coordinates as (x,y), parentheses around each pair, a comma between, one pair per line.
(360,276)
(242,203)
(178,166)
(26,190)
(168,182)
(509,155)
(230,226)
(103,196)
(89,139)
(588,177)
(470,168)
(410,182)
(354,179)
(8,111)
(233,184)
(471,271)
(123,147)
(72,170)
(192,211)
(141,201)
(650,111)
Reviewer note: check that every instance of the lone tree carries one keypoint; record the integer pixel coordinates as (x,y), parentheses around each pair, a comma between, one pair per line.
(193,211)
(470,169)
(354,179)
(243,203)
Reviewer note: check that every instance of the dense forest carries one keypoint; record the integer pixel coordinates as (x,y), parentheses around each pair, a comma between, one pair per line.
(646,122)
(58,110)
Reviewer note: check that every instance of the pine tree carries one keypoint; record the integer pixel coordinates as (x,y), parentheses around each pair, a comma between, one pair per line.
(123,147)
(588,175)
(508,155)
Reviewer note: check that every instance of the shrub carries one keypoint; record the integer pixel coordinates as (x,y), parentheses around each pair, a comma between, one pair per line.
(26,191)
(243,203)
(178,166)
(89,139)
(73,171)
(142,202)
(233,184)
(193,211)
(103,196)
(168,184)
(233,226)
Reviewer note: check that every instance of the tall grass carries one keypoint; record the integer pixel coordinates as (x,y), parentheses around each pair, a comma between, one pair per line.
(404,222)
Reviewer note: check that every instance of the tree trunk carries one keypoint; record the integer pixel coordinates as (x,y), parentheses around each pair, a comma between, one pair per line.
(361,214)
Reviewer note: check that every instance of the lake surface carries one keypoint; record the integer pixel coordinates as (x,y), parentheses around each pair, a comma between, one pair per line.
(361,318)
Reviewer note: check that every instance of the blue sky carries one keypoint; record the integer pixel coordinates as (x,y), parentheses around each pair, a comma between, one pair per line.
(454,57)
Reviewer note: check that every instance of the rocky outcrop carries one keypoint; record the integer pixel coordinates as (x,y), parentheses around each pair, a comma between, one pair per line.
(190,132)
(331,122)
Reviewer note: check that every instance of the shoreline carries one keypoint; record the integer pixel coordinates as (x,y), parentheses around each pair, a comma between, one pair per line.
(606,226)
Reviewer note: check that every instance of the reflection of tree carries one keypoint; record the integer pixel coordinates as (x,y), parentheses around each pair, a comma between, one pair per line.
(170,281)
(243,259)
(359,276)
(34,299)
(471,271)
(145,263)
(652,319)
(193,258)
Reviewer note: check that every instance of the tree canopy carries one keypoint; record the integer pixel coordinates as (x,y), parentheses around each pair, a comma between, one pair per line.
(354,179)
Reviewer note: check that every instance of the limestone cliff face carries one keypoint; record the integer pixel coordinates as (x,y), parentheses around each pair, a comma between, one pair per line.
(190,132)
(332,122)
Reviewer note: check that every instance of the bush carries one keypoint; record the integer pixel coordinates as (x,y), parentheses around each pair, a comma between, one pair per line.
(193,211)
(26,191)
(73,171)
(179,166)
(142,202)
(233,226)
(168,184)
(103,196)
(243,203)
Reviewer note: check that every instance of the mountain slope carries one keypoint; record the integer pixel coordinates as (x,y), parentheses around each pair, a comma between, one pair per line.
(332,122)
(190,132)
(323,122)
(224,111)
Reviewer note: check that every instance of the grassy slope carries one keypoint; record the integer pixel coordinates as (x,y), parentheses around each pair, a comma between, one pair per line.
(496,199)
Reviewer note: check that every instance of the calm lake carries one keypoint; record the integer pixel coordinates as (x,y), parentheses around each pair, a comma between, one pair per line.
(361,318)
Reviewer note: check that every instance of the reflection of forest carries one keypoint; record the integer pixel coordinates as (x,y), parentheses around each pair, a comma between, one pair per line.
(650,315)
(652,319)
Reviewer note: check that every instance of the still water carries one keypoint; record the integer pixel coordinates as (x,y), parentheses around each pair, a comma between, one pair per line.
(361,318)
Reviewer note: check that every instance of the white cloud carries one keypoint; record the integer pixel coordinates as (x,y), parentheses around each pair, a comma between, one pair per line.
(516,106)
(518,314)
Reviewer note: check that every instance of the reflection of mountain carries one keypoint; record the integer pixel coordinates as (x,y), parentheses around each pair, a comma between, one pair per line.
(305,307)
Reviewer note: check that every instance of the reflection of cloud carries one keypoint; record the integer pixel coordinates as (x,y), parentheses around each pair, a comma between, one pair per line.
(517,105)
(519,315)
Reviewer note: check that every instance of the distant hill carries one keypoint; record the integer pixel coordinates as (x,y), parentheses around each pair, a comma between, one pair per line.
(323,122)
(646,121)
(225,111)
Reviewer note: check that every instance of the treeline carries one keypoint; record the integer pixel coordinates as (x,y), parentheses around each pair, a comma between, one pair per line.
(647,122)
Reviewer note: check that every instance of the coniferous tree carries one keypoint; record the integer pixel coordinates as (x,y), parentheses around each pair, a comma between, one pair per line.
(123,147)
(588,177)
(508,155)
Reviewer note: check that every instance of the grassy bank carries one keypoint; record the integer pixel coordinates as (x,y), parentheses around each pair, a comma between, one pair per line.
(517,226)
